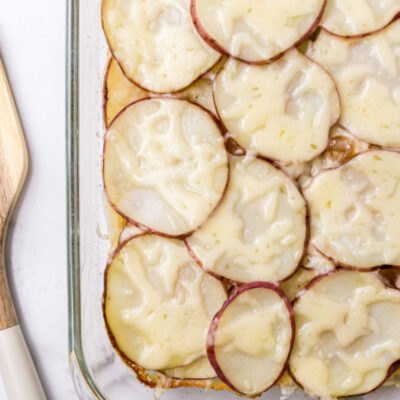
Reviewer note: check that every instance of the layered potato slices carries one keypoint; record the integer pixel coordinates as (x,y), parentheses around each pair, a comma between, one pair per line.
(251,171)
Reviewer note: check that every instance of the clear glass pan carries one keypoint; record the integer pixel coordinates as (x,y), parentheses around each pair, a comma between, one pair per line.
(97,371)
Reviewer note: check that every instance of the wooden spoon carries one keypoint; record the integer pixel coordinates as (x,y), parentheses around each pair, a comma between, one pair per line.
(16,366)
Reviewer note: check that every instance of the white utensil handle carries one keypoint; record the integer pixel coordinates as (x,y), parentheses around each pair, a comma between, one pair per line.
(16,367)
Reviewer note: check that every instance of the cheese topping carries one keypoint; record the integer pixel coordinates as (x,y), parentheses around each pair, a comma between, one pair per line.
(282,111)
(258,231)
(367,73)
(120,91)
(358,17)
(252,340)
(257,30)
(347,334)
(198,369)
(156,43)
(159,303)
(128,232)
(355,210)
(165,165)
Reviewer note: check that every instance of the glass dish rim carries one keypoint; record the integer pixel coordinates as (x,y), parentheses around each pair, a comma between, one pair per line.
(78,366)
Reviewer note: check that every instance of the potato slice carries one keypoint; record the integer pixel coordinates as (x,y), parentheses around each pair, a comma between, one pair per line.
(159,303)
(282,111)
(165,165)
(250,338)
(347,334)
(358,17)
(355,211)
(156,43)
(368,78)
(259,231)
(255,31)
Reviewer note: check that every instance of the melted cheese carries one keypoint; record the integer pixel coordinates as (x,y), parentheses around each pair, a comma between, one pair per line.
(120,91)
(355,210)
(159,304)
(116,225)
(165,165)
(128,232)
(252,340)
(258,231)
(358,17)
(367,73)
(297,282)
(282,111)
(156,43)
(198,369)
(257,30)
(349,349)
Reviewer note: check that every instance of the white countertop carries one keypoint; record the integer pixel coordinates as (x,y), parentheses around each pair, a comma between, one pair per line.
(32,46)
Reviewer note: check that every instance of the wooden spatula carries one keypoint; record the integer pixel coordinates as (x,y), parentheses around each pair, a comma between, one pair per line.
(16,366)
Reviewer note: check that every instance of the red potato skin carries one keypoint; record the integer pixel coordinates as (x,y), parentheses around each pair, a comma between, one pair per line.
(214,326)
(232,143)
(362,34)
(392,368)
(216,46)
(141,373)
(331,259)
(355,134)
(136,83)
(306,239)
(136,223)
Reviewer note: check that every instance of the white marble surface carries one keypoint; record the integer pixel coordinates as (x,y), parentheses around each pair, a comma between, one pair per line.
(32,46)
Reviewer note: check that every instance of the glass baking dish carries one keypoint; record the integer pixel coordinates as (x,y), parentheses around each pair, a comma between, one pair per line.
(97,371)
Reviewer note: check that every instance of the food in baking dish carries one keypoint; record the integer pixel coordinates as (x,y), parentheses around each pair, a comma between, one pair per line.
(252,173)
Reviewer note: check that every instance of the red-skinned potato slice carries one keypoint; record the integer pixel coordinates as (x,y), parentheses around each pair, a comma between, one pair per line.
(156,43)
(368,79)
(358,17)
(282,111)
(250,338)
(259,231)
(198,369)
(355,211)
(159,303)
(258,31)
(165,165)
(347,334)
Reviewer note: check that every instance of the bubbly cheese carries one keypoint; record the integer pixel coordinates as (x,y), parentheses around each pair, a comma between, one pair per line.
(258,231)
(367,73)
(358,17)
(282,111)
(252,340)
(156,43)
(198,369)
(355,210)
(257,30)
(347,334)
(159,303)
(165,165)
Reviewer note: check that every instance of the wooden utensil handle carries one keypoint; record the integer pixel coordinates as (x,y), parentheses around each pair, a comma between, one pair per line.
(8,316)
